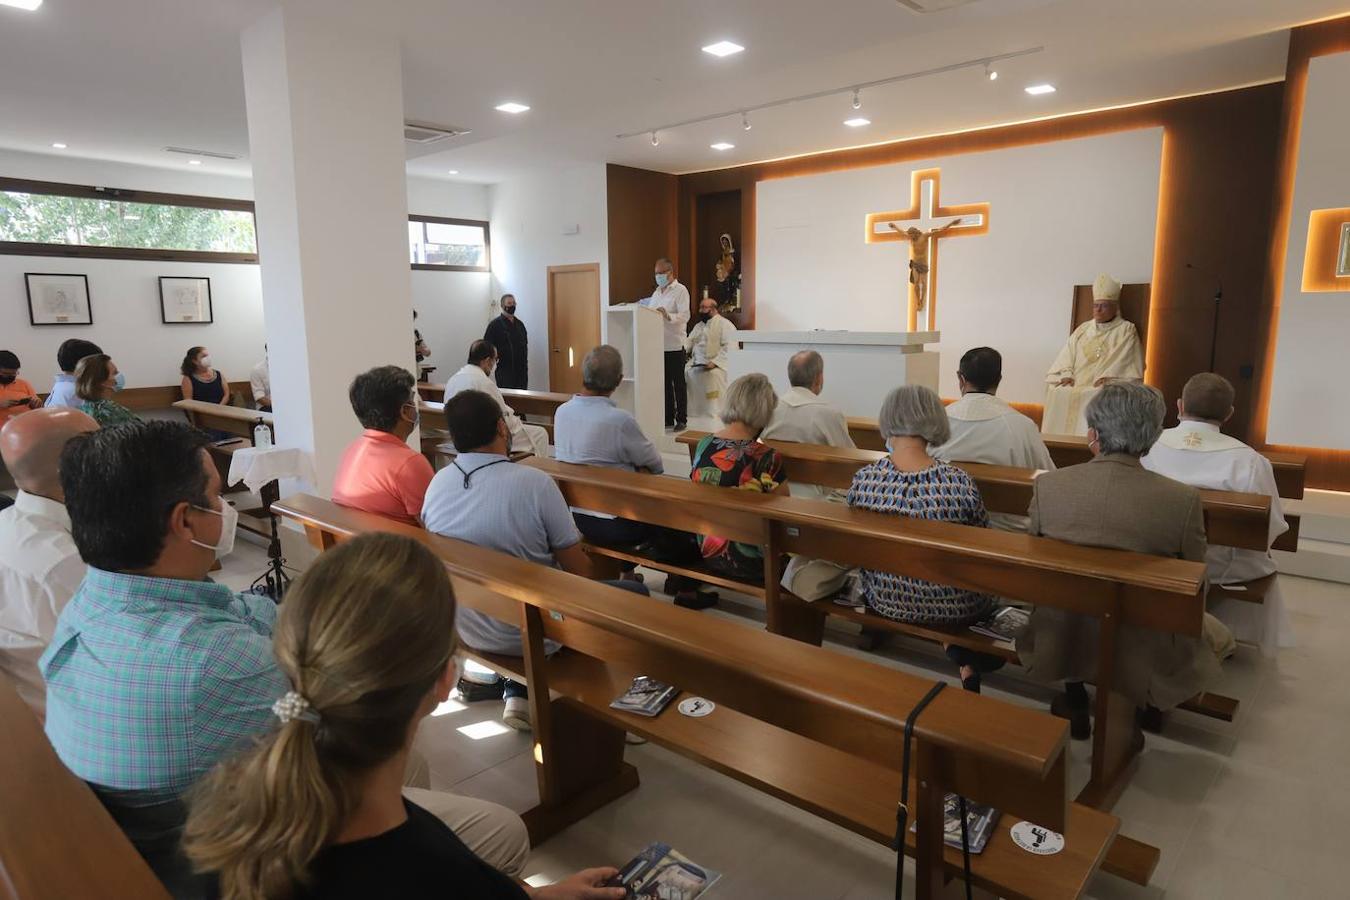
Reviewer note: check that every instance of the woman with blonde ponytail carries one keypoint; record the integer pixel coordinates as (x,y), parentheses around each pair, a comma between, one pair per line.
(315,809)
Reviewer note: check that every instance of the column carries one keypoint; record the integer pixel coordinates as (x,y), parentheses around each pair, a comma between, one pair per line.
(324,92)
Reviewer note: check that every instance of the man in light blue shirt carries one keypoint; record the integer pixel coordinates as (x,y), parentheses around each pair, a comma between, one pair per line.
(590,430)
(68,356)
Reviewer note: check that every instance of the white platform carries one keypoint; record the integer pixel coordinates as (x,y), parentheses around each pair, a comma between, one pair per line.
(1323,538)
(861,367)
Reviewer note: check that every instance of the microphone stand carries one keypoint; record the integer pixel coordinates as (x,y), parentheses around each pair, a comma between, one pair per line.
(1214,328)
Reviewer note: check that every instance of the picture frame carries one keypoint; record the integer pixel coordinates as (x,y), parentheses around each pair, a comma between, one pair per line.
(58,298)
(185,300)
(1343,257)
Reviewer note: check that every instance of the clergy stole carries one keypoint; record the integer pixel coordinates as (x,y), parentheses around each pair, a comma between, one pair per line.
(1108,350)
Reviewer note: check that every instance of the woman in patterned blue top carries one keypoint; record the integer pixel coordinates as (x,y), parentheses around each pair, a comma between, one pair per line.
(913,484)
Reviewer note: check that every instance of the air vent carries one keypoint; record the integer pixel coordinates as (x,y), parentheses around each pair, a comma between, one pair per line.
(427,133)
(924,7)
(211,153)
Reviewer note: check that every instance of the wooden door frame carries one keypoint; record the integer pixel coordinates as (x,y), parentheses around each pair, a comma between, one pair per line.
(563,270)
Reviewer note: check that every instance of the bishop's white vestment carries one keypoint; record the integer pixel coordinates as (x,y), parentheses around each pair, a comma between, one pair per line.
(1107,350)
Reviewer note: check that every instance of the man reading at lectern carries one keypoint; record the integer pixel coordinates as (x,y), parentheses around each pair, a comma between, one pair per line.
(1102,350)
(671,300)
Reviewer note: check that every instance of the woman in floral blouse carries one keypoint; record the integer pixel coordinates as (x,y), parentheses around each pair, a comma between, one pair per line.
(96,380)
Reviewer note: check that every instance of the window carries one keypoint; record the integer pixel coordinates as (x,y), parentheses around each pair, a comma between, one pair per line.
(457,245)
(46,219)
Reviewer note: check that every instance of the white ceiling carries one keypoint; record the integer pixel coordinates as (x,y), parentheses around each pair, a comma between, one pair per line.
(121,79)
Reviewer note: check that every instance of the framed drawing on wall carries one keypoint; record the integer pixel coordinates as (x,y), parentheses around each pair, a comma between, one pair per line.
(58,298)
(185,301)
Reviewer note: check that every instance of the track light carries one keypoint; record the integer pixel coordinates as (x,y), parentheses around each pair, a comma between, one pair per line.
(655,141)
(745,121)
(857,99)
(990,72)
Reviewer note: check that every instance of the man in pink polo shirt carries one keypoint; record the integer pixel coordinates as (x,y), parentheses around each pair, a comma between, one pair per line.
(379,472)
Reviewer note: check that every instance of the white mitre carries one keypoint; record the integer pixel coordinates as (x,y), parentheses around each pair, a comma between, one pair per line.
(1106,288)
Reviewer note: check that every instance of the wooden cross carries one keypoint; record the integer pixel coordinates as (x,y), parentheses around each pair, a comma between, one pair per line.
(921,226)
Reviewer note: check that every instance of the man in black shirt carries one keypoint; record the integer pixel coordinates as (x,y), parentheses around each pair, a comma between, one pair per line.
(507,334)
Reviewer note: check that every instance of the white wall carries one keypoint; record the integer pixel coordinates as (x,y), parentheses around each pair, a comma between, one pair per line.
(529,216)
(1060,213)
(454,306)
(1307,400)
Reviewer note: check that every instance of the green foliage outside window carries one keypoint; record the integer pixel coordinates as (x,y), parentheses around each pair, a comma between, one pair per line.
(54,219)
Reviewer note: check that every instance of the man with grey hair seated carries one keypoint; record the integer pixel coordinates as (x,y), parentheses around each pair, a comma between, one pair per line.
(802,417)
(1113,501)
(590,430)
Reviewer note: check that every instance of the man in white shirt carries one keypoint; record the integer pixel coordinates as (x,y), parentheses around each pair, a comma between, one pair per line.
(987,430)
(709,342)
(476,375)
(260,379)
(40,567)
(804,418)
(1197,453)
(671,300)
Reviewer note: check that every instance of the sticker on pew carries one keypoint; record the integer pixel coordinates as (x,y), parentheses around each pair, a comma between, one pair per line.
(696,707)
(1035,839)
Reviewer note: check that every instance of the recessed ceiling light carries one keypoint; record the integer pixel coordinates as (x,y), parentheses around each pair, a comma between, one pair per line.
(723,145)
(452,172)
(513,108)
(194,162)
(857,122)
(58,146)
(723,48)
(29,5)
(1036,90)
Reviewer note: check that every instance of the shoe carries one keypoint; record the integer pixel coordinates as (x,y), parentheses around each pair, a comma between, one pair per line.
(474,691)
(1150,719)
(516,713)
(972,683)
(1080,721)
(633,576)
(681,426)
(696,599)
(479,674)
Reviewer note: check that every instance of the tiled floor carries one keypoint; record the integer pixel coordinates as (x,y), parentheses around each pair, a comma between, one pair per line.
(1254,809)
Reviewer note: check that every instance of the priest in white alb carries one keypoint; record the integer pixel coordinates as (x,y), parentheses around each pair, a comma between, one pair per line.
(1103,349)
(708,344)
(1197,453)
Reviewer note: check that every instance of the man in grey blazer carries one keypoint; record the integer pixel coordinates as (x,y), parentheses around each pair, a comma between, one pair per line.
(1113,501)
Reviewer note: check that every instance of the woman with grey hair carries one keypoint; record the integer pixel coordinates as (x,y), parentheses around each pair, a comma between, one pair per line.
(911,483)
(734,458)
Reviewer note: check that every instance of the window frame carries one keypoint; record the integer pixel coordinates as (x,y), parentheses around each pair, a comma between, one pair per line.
(90,192)
(442,220)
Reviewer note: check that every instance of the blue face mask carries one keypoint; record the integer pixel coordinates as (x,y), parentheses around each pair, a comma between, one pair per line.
(119,382)
(662,279)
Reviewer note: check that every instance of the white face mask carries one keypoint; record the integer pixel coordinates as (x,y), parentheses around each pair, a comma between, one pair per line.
(228,526)
(205,361)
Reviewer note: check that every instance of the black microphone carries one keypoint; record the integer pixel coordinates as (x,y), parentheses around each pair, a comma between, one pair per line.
(1218,298)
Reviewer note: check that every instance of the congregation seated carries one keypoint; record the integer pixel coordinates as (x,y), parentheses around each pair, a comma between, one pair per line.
(1198,453)
(909,482)
(802,416)
(985,429)
(485,499)
(16,394)
(379,472)
(260,382)
(68,356)
(1113,501)
(40,567)
(200,380)
(734,458)
(366,647)
(590,430)
(476,375)
(96,381)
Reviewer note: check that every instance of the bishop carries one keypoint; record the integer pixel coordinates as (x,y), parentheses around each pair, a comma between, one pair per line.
(1103,349)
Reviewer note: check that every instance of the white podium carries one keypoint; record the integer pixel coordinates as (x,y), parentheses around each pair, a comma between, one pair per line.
(637,333)
(861,367)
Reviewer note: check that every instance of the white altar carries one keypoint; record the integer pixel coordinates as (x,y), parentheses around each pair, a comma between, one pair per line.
(861,367)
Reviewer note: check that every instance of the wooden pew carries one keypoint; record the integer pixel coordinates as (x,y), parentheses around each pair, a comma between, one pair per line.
(230,419)
(1231,519)
(1115,586)
(57,842)
(538,406)
(800,723)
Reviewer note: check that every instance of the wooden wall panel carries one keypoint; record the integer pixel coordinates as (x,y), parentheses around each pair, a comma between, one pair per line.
(642,227)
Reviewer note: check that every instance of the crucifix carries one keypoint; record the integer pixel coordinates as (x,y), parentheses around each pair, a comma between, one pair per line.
(922,226)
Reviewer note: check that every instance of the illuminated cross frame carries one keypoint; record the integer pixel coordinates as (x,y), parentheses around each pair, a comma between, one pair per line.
(934,222)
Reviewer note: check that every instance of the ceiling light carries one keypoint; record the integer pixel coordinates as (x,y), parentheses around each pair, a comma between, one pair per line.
(722,145)
(1036,90)
(723,48)
(29,5)
(58,146)
(857,99)
(655,141)
(513,108)
(452,171)
(194,162)
(990,72)
(857,122)
(745,121)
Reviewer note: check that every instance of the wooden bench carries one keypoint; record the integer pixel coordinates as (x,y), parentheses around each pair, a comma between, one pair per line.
(1115,586)
(812,728)
(57,842)
(537,407)
(1231,519)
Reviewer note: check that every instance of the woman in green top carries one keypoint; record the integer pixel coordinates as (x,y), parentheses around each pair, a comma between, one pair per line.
(96,380)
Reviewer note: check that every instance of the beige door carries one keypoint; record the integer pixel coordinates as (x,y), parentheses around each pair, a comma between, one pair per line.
(573,322)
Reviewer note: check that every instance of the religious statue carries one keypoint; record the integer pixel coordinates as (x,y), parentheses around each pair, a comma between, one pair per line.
(727,289)
(919,242)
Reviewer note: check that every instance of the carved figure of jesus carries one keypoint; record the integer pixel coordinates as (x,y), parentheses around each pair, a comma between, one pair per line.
(919,242)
